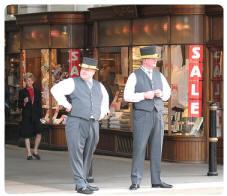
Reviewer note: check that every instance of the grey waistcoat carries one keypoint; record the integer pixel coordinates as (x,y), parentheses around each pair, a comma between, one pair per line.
(86,102)
(143,84)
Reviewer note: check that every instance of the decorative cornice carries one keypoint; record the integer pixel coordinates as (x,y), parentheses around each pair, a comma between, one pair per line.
(114,12)
(214,10)
(50,18)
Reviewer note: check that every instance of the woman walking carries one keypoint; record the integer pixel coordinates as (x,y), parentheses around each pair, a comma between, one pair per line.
(30,102)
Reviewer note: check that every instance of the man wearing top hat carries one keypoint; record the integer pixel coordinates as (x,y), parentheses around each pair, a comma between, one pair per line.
(90,103)
(147,88)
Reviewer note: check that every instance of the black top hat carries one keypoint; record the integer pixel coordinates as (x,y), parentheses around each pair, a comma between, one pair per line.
(89,63)
(149,52)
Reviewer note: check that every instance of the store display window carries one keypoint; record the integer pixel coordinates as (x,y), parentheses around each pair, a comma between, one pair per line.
(187,89)
(183,112)
(216,83)
(113,73)
(50,66)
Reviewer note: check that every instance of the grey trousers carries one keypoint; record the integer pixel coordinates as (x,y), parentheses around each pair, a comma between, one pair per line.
(82,137)
(147,127)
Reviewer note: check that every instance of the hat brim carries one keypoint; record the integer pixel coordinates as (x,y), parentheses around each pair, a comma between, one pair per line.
(88,66)
(153,56)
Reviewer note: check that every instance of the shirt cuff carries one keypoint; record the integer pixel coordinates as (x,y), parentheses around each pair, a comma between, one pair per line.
(67,105)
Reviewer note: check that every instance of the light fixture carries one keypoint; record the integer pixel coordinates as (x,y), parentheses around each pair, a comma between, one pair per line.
(12,10)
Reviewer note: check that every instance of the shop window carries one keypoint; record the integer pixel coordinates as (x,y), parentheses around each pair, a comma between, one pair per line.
(150,31)
(216,83)
(183,112)
(112,32)
(187,29)
(113,74)
(60,36)
(186,84)
(12,87)
(62,64)
(78,34)
(35,36)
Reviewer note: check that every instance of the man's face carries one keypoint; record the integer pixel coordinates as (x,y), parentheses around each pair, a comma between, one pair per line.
(149,63)
(87,74)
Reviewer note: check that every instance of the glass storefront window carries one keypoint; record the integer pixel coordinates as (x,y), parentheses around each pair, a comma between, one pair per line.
(150,31)
(216,71)
(187,29)
(12,87)
(186,84)
(60,36)
(114,70)
(50,66)
(183,112)
(35,36)
(112,32)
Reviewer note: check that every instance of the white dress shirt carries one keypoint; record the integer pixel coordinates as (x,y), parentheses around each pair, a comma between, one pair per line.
(131,96)
(67,86)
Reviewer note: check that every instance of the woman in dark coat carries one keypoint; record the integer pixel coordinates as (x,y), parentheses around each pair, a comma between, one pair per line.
(30,102)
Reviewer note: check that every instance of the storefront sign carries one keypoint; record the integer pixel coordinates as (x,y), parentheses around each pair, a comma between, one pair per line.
(74,61)
(216,89)
(216,63)
(195,108)
(195,81)
(195,89)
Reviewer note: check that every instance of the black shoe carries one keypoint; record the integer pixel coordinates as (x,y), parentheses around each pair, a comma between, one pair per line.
(84,190)
(162,185)
(36,156)
(134,187)
(93,188)
(90,179)
(29,158)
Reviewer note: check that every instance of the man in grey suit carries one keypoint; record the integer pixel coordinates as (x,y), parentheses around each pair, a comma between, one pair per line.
(90,103)
(147,88)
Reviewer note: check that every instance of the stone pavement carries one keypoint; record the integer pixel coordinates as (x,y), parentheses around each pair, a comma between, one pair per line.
(52,175)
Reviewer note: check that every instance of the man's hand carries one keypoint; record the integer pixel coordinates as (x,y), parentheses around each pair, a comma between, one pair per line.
(158,93)
(149,95)
(69,109)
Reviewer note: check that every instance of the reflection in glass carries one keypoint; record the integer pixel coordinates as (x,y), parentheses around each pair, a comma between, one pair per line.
(187,29)
(150,31)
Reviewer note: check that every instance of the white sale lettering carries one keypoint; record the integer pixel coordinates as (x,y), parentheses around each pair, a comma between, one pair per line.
(74,71)
(195,80)
(196,53)
(193,90)
(216,71)
(75,56)
(195,108)
(195,71)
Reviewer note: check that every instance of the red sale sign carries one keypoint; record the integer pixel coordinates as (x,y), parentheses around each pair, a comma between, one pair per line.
(195,89)
(196,53)
(195,71)
(74,61)
(194,108)
(216,89)
(216,65)
(195,75)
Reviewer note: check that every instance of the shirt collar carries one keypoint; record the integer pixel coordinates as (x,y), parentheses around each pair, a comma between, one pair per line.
(146,70)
